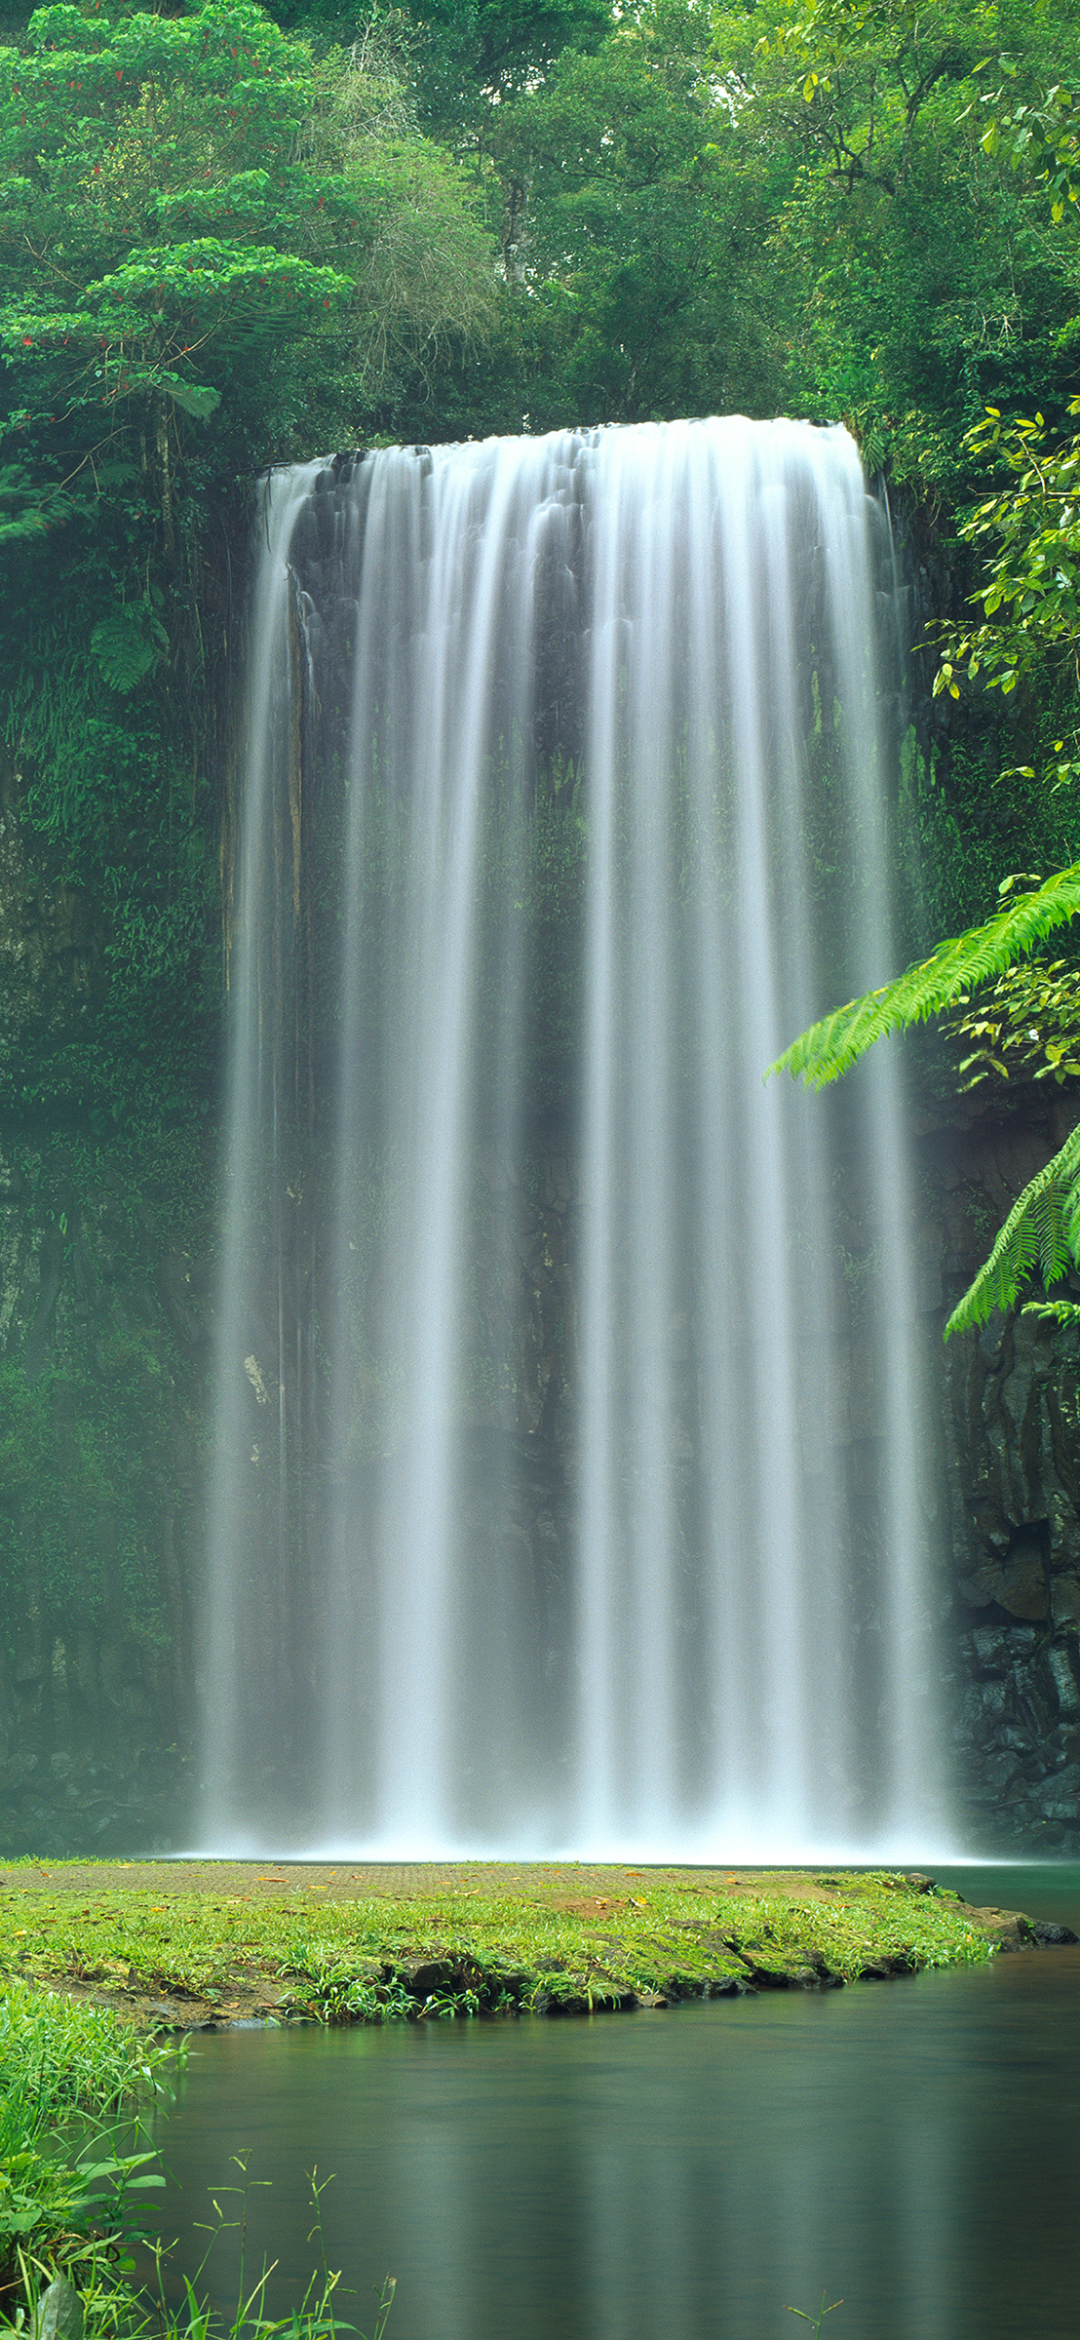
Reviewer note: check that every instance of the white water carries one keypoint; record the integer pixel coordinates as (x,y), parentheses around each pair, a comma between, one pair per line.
(638,1568)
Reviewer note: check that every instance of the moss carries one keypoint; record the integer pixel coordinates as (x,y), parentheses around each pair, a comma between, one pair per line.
(470,1950)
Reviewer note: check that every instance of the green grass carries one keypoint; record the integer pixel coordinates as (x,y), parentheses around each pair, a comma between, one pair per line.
(69,2073)
(359,1960)
(73,2078)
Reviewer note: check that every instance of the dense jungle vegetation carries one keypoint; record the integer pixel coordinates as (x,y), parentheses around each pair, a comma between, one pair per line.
(233,236)
(229,237)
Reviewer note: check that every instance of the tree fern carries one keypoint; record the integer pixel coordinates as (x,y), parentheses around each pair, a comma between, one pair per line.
(831,1046)
(1041,1232)
(129,643)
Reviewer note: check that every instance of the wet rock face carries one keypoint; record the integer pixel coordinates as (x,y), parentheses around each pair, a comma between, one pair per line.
(51,952)
(1009,1466)
(102,1340)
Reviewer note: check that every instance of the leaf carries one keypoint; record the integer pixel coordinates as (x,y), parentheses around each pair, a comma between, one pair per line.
(831,1046)
(60,2312)
(1041,1232)
(197,398)
(129,644)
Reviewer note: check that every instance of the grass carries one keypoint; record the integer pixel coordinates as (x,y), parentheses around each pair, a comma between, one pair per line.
(68,2074)
(72,2079)
(464,1952)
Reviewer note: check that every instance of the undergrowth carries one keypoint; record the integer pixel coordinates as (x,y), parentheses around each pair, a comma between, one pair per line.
(70,2074)
(74,2081)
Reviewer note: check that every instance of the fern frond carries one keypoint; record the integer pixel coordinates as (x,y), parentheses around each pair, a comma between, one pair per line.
(128,644)
(830,1047)
(1042,1231)
(1060,1311)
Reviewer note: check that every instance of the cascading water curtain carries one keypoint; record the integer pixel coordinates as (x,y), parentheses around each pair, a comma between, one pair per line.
(566,1490)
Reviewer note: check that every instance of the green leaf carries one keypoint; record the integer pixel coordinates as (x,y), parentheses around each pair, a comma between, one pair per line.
(128,644)
(1041,1232)
(197,398)
(830,1047)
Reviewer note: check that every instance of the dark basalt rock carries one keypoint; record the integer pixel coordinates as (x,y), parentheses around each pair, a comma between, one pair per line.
(1008,1490)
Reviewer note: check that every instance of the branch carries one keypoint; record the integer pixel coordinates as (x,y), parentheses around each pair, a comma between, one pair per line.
(831,1046)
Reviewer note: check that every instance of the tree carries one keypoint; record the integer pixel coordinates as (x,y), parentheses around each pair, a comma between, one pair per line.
(633,222)
(189,206)
(215,251)
(916,270)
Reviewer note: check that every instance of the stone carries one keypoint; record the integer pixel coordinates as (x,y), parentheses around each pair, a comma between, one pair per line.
(993,1697)
(1000,1770)
(993,1647)
(1023,1578)
(980,1587)
(1058,1798)
(1065,1601)
(1064,1679)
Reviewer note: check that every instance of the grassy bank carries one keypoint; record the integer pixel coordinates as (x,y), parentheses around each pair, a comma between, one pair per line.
(70,2073)
(74,2078)
(340,1947)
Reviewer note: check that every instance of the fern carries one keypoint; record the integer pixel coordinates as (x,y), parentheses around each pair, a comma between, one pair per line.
(1042,1231)
(129,644)
(829,1048)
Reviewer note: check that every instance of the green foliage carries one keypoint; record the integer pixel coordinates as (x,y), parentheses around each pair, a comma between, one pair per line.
(1028,1022)
(85,1473)
(913,270)
(818,2320)
(214,249)
(70,2189)
(129,644)
(1029,595)
(632,220)
(149,161)
(211,205)
(1041,1234)
(830,1047)
(675,1938)
(1030,631)
(1036,132)
(61,2058)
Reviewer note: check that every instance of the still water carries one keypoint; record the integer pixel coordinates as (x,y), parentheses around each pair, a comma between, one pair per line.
(912,2148)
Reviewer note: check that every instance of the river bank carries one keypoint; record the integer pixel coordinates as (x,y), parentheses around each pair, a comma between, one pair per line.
(195,1944)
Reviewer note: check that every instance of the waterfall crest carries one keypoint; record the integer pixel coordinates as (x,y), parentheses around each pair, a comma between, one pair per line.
(565,1494)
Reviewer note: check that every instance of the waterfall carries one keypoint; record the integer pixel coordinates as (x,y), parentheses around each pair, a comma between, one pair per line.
(565,1494)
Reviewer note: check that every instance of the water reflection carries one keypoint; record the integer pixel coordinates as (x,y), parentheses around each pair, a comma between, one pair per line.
(912,2146)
